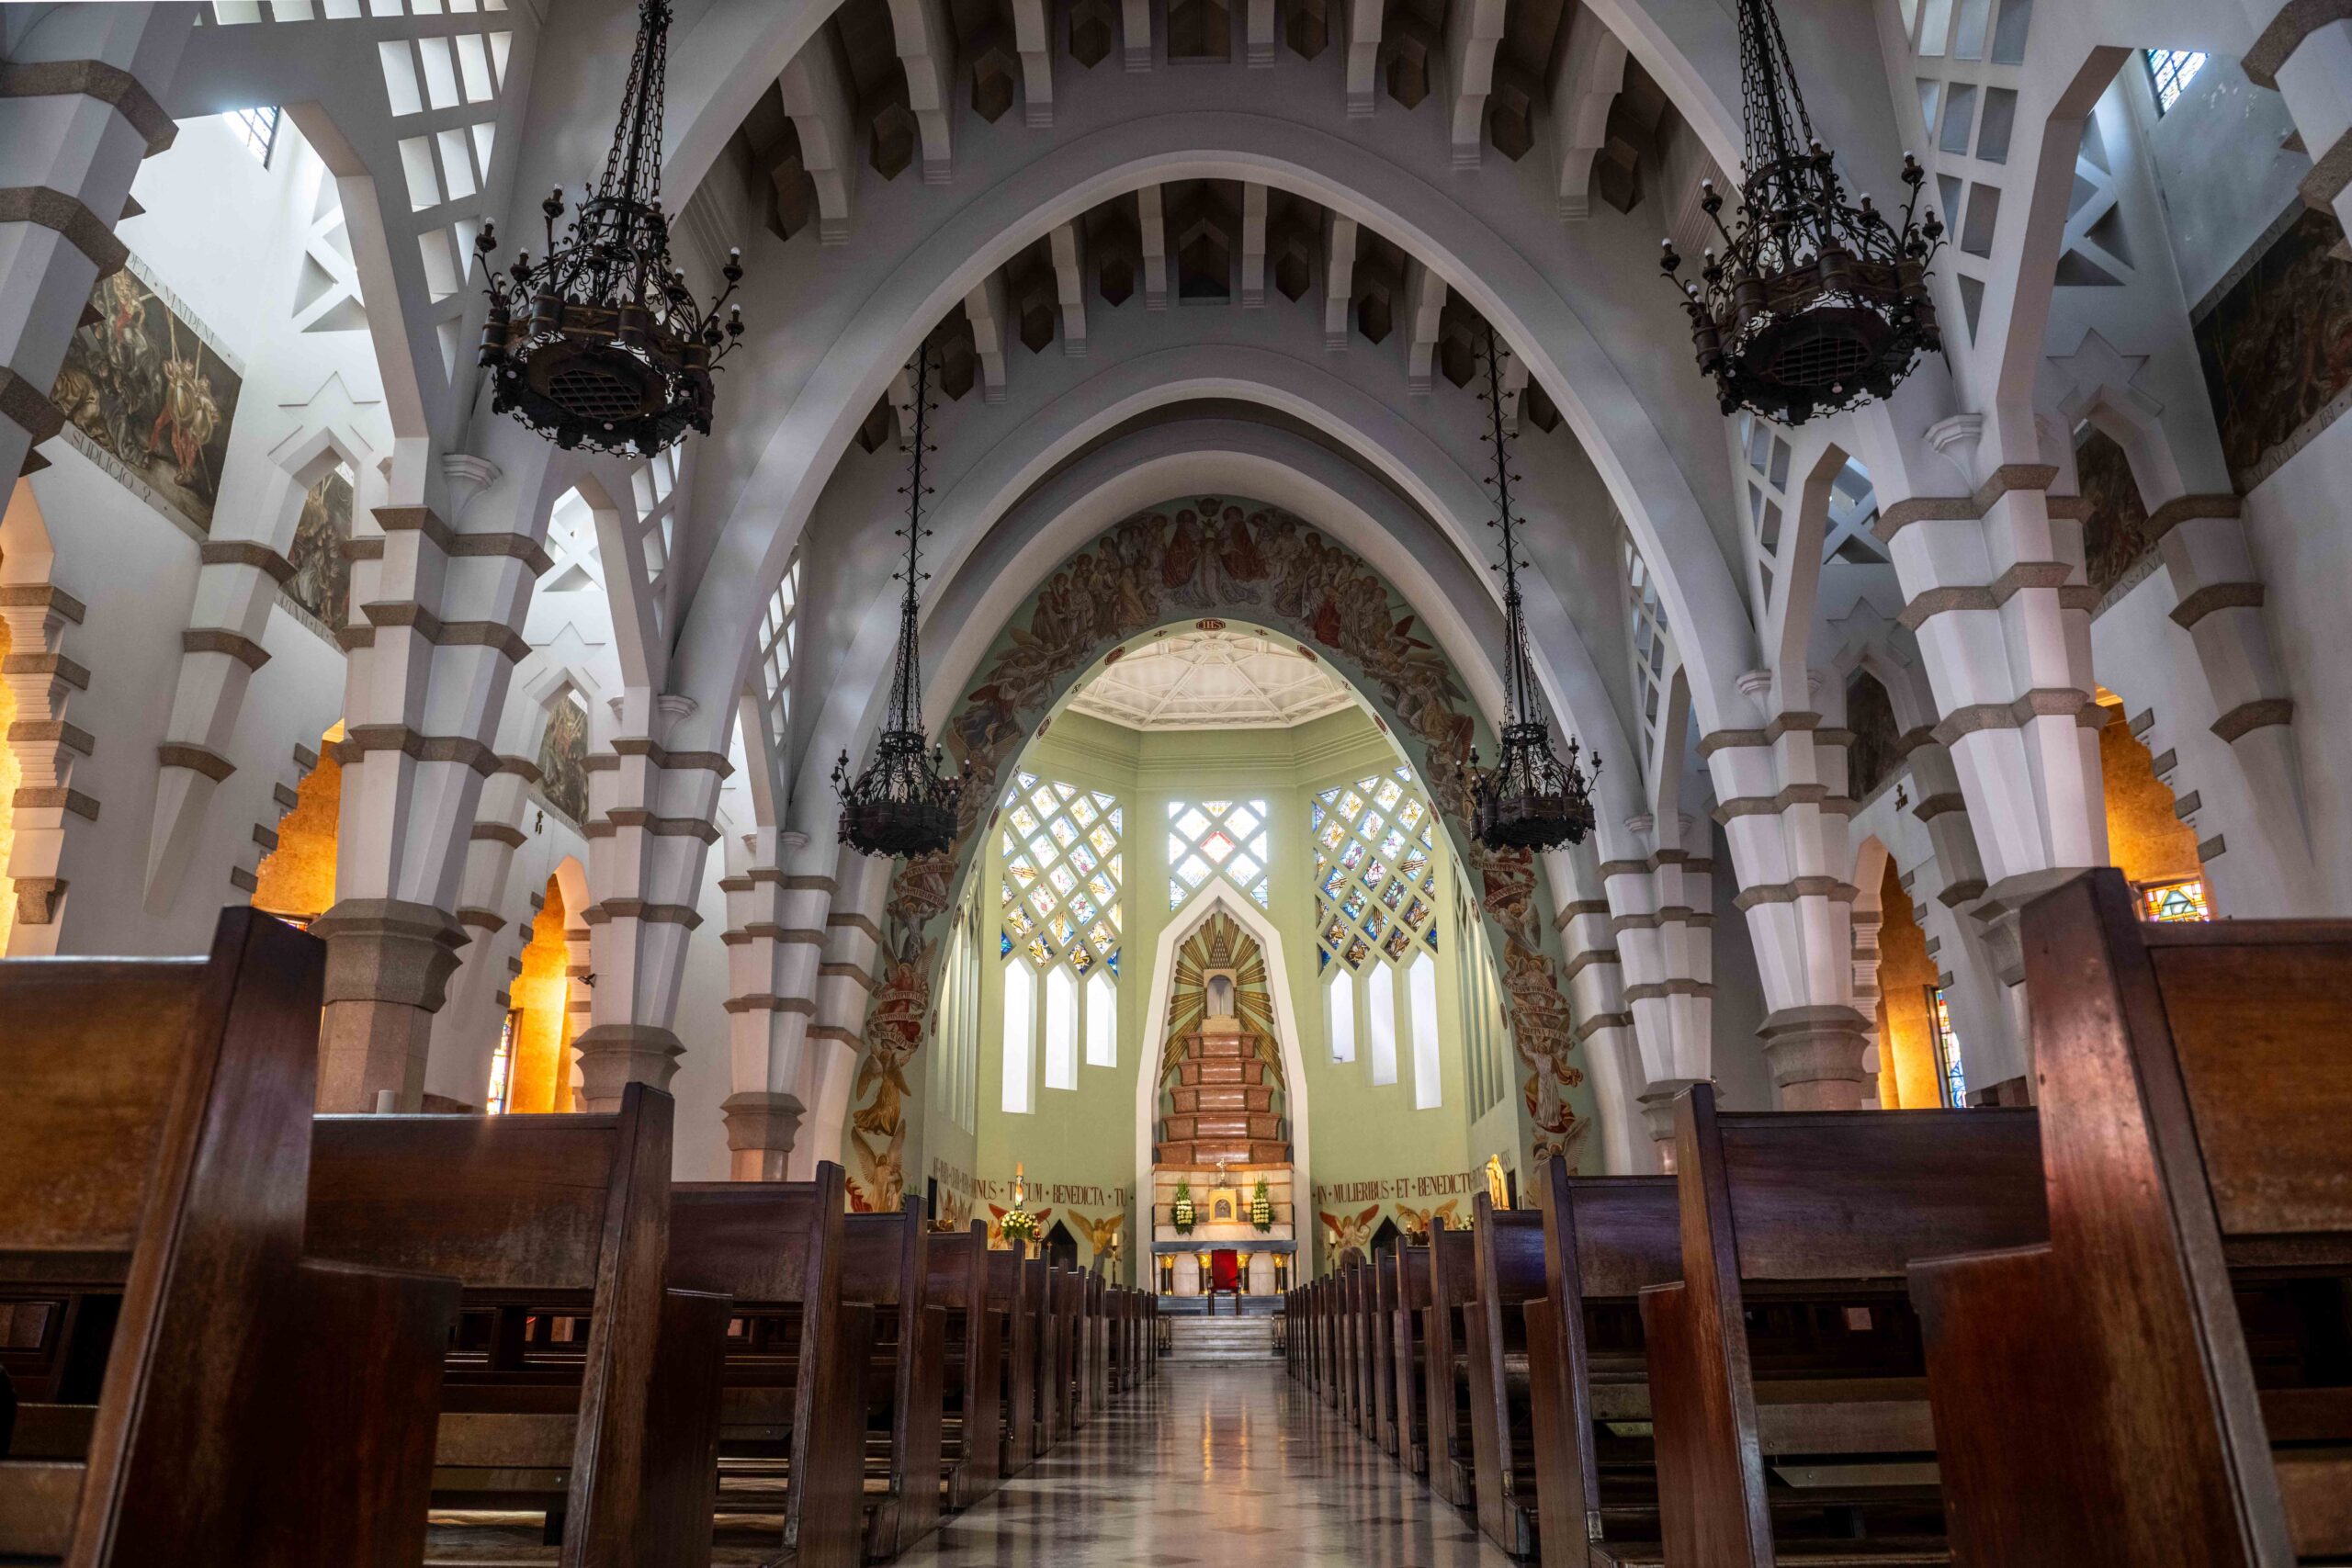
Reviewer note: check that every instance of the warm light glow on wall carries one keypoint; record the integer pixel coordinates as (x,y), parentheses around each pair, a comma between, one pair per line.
(1907,1042)
(539,994)
(296,880)
(2146,839)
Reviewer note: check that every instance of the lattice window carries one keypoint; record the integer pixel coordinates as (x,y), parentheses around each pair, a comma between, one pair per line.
(655,481)
(1375,873)
(1064,868)
(257,129)
(2170,71)
(1766,486)
(1948,1065)
(1217,837)
(2183,900)
(1654,655)
(778,628)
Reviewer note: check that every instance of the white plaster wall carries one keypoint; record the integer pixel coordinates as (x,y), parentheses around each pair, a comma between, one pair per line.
(1743,1082)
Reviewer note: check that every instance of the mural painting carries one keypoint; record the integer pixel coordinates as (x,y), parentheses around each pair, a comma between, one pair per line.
(2278,348)
(1876,749)
(2115,521)
(1211,554)
(321,552)
(563,757)
(148,397)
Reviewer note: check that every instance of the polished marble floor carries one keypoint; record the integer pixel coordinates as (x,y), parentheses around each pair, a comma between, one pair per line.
(1218,1466)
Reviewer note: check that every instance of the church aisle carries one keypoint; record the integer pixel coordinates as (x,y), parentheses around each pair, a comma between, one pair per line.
(1221,1466)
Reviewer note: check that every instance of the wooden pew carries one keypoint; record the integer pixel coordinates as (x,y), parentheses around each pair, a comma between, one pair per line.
(1009,1294)
(1044,1285)
(188,1386)
(547,1220)
(972,1414)
(886,1265)
(1384,1351)
(2170,1378)
(1508,1267)
(1605,1238)
(1408,1335)
(791,1415)
(1452,1465)
(1813,1218)
(1372,1352)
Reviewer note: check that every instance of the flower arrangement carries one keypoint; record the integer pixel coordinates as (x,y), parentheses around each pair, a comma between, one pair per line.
(1019,1225)
(1261,1207)
(1181,1212)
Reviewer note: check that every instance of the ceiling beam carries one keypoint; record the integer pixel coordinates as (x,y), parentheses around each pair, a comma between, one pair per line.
(1033,35)
(1473,30)
(927,51)
(1069,287)
(1591,74)
(1426,290)
(1364,20)
(1253,246)
(1155,248)
(984,308)
(819,102)
(1134,34)
(1260,38)
(1339,280)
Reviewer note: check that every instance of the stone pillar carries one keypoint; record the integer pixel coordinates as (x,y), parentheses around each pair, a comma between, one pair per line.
(2305,52)
(1657,1116)
(1996,593)
(651,813)
(433,649)
(847,975)
(775,914)
(1594,983)
(1866,923)
(1780,796)
(459,1068)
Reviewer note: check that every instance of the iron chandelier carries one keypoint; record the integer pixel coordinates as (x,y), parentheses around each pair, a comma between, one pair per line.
(1530,799)
(1814,305)
(904,804)
(602,345)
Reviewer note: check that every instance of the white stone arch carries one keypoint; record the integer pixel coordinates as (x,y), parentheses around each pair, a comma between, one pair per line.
(1644,478)
(1221,899)
(301,459)
(1022,530)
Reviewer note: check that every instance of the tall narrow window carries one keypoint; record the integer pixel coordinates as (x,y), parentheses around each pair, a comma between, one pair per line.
(1420,984)
(1380,1003)
(1020,1034)
(1101,1022)
(1948,1057)
(1340,1004)
(778,633)
(1061,1029)
(257,129)
(502,1065)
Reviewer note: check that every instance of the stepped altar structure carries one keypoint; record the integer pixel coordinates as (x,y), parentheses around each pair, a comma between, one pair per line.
(1222,1129)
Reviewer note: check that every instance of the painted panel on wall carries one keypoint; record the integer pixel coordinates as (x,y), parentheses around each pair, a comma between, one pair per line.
(322,580)
(149,395)
(2116,535)
(563,759)
(2276,345)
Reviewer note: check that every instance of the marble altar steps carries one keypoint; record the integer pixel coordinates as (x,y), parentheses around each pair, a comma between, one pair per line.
(1221,1339)
(1187,1099)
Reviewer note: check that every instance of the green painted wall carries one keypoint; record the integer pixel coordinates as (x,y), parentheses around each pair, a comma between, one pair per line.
(1369,1147)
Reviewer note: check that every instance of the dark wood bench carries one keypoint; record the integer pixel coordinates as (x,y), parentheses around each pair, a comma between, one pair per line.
(1605,1239)
(972,1371)
(1445,1365)
(791,1440)
(187,1386)
(1009,1288)
(1507,1266)
(1383,1287)
(1408,1332)
(886,1266)
(1798,1229)
(558,1228)
(2170,1379)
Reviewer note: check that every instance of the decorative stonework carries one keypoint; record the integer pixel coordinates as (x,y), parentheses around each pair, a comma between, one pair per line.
(1187,559)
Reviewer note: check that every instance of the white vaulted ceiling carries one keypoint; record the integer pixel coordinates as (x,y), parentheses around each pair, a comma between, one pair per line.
(1212,680)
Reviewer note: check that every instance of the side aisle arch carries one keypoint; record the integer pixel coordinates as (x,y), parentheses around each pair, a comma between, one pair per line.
(1190,560)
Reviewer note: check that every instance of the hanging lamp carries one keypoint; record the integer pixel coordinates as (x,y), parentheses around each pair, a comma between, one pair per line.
(1814,304)
(1530,799)
(904,804)
(602,345)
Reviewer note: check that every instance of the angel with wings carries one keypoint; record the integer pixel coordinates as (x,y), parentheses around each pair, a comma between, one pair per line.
(1350,1233)
(1416,1222)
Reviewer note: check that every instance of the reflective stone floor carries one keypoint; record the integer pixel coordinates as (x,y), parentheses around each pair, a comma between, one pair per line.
(1216,1465)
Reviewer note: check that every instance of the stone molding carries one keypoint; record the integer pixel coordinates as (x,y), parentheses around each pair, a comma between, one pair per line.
(110,84)
(360,739)
(30,411)
(2296,21)
(2259,714)
(54,209)
(246,552)
(220,639)
(195,759)
(2217,596)
(1962,508)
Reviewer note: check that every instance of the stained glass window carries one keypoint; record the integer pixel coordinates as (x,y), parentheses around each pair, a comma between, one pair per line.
(1375,872)
(2175,901)
(2170,71)
(1948,1054)
(1217,837)
(502,1065)
(1063,873)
